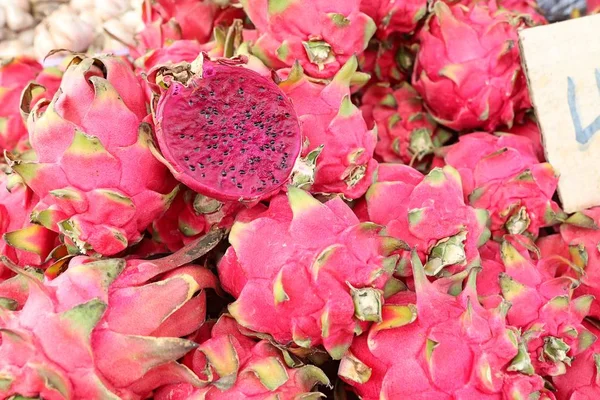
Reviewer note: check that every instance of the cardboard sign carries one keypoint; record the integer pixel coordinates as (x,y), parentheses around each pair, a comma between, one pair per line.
(562,62)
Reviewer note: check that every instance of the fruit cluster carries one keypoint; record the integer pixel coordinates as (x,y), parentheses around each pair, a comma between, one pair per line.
(285,199)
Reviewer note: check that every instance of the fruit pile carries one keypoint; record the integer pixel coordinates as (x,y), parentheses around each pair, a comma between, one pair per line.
(277,199)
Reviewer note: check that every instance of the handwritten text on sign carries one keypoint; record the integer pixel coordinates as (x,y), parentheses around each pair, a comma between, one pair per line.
(562,62)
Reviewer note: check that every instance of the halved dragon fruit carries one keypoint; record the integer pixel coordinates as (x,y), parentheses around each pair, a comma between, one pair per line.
(225,131)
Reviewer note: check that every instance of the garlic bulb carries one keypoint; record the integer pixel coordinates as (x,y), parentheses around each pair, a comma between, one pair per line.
(16,16)
(63,29)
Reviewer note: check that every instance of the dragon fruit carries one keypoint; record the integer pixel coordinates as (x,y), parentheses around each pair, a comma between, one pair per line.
(237,367)
(527,8)
(101,330)
(475,81)
(405,130)
(395,16)
(23,242)
(316,276)
(543,307)
(581,235)
(98,182)
(247,141)
(581,382)
(431,345)
(389,61)
(503,175)
(321,36)
(172,20)
(15,75)
(429,214)
(189,216)
(530,129)
(334,129)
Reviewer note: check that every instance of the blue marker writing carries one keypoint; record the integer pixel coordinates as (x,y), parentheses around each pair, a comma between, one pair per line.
(582,135)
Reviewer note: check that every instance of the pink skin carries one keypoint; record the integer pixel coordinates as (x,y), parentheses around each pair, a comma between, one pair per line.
(308,273)
(443,211)
(95,160)
(15,207)
(534,288)
(473,348)
(216,343)
(246,143)
(503,174)
(345,165)
(300,22)
(181,223)
(529,128)
(396,16)
(581,380)
(398,114)
(588,239)
(475,82)
(15,75)
(90,354)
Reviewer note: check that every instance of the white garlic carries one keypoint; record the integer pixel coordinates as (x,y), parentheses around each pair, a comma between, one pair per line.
(63,29)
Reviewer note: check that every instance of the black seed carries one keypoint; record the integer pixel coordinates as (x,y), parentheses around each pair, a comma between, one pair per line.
(192,137)
(243,151)
(186,158)
(192,168)
(239,185)
(220,162)
(232,168)
(271,142)
(210,122)
(215,136)
(203,175)
(201,165)
(191,102)
(240,91)
(287,115)
(279,97)
(223,173)
(242,172)
(214,146)
(212,92)
(196,149)
(182,136)
(225,153)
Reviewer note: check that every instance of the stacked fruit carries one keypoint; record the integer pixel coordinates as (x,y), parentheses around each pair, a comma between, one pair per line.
(276,199)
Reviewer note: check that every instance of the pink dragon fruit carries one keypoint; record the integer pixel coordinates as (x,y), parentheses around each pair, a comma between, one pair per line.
(394,16)
(171,20)
(98,182)
(581,234)
(527,8)
(317,275)
(191,215)
(321,36)
(388,61)
(431,345)
(24,243)
(477,81)
(529,128)
(334,132)
(582,381)
(95,332)
(503,175)
(15,75)
(542,307)
(430,215)
(247,141)
(237,367)
(405,130)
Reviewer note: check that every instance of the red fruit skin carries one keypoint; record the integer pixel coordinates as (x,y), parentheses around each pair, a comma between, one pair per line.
(15,74)
(580,239)
(503,175)
(476,82)
(228,166)
(394,16)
